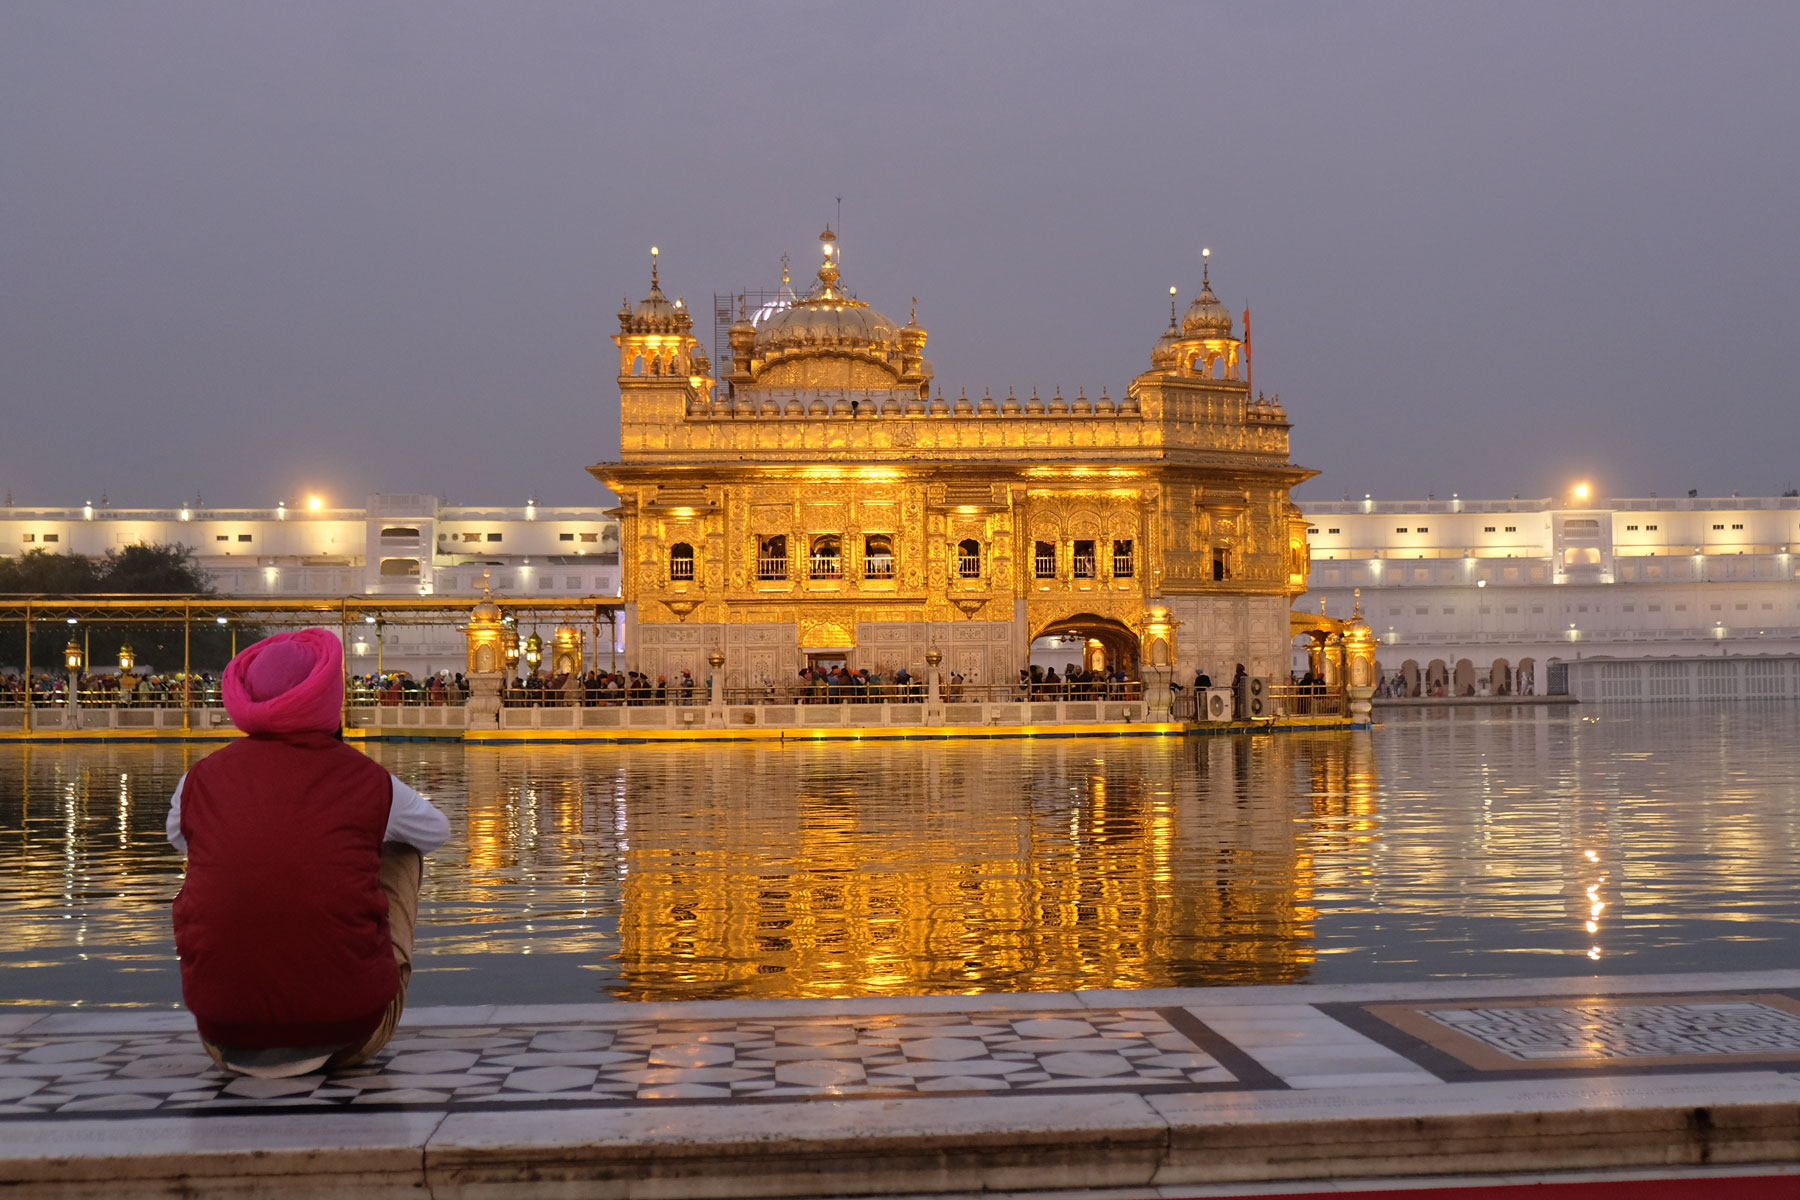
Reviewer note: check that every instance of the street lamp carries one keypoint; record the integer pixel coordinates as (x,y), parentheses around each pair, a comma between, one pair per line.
(72,658)
(127,658)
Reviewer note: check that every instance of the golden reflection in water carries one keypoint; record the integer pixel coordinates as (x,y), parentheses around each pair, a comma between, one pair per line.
(759,870)
(1486,848)
(818,870)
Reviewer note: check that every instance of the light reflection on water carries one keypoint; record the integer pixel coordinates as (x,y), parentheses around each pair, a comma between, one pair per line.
(1448,844)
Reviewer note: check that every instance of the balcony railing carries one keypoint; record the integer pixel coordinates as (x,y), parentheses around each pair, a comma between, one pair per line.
(880,566)
(771,568)
(1121,566)
(827,567)
(968,566)
(681,568)
(1306,700)
(1084,566)
(1044,566)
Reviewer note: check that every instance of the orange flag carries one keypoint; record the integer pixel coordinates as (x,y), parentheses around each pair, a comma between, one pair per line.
(1249,365)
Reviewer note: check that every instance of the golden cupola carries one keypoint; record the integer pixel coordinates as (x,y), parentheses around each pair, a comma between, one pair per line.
(656,337)
(830,339)
(1204,345)
(1206,317)
(1166,354)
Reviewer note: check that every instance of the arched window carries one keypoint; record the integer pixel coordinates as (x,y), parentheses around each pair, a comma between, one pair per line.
(771,557)
(637,365)
(1043,560)
(968,558)
(1084,562)
(400,567)
(681,561)
(1122,558)
(827,556)
(878,556)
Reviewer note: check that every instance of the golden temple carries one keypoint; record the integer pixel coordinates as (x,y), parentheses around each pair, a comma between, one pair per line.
(815,500)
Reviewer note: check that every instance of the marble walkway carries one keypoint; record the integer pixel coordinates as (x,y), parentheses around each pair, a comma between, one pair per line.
(1228,1091)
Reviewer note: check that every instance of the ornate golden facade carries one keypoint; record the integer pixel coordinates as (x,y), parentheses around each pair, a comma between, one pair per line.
(816,498)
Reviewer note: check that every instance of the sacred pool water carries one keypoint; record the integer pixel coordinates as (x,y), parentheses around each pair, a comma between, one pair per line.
(1446,844)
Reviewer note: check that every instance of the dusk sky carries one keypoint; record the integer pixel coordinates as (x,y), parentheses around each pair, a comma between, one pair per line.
(257,250)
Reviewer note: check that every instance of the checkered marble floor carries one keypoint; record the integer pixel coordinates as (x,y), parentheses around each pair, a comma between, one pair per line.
(1156,1090)
(636,1061)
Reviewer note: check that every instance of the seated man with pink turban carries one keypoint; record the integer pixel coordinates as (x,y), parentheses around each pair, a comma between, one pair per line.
(295,922)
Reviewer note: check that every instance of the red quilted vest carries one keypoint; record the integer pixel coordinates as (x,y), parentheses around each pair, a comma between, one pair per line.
(282,924)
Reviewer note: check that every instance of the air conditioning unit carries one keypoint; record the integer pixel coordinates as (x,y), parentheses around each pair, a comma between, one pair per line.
(1252,699)
(1215,704)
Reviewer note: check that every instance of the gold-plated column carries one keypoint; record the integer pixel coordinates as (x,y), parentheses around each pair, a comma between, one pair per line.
(187,666)
(27,666)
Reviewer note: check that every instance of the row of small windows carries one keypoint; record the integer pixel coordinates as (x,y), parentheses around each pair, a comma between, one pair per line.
(825,558)
(48,537)
(1084,559)
(583,536)
(1650,528)
(1420,529)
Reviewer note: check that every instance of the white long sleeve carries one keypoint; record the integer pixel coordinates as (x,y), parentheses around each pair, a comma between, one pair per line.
(412,819)
(415,820)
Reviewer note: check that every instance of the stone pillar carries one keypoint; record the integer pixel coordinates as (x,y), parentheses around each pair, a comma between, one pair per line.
(483,710)
(487,635)
(934,696)
(715,692)
(1157,663)
(1359,670)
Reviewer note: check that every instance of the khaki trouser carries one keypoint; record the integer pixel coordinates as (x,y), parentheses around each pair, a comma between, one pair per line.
(402,869)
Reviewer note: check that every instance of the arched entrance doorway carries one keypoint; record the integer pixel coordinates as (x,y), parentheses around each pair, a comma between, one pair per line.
(1086,642)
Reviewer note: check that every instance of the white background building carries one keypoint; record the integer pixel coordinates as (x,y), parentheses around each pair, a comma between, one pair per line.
(398,545)
(1488,584)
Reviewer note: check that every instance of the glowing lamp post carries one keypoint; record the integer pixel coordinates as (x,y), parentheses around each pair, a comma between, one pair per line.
(72,659)
(127,658)
(1359,664)
(716,692)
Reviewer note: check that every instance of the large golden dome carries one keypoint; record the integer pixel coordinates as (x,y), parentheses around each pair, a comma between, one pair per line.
(827,317)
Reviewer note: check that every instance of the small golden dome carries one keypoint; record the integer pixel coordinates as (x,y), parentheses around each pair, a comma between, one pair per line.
(1164,353)
(655,306)
(1206,317)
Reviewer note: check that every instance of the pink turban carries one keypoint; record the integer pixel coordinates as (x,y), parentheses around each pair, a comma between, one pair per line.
(290,683)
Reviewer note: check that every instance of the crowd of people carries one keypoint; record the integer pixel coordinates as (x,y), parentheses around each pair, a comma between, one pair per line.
(1518,682)
(125,689)
(838,684)
(1075,683)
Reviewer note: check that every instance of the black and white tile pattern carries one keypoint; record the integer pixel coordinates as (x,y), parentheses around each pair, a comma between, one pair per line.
(1623,1031)
(1017,1051)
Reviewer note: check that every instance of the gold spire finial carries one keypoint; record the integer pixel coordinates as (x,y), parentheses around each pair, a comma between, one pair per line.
(743,312)
(915,308)
(653,253)
(828,271)
(1171,306)
(1356,613)
(1205,253)
(784,268)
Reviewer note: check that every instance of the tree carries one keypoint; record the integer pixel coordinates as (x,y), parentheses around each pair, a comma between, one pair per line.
(140,570)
